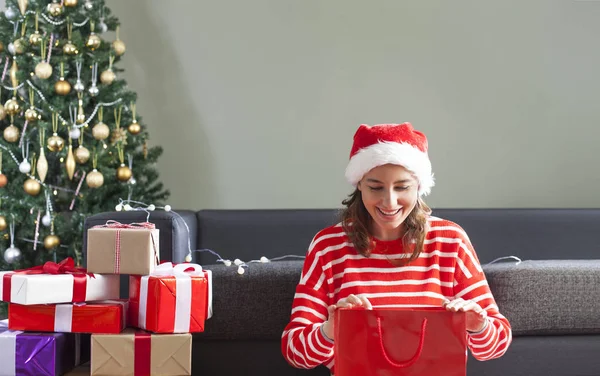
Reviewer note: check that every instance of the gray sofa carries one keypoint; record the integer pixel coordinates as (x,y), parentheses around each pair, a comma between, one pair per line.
(552,298)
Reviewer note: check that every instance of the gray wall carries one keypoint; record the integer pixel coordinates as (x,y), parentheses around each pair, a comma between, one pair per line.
(256,102)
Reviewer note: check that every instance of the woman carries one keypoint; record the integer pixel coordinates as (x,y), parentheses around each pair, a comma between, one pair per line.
(388,251)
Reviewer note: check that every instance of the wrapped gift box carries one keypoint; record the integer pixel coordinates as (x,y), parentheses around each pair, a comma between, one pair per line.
(140,353)
(172,300)
(38,353)
(108,316)
(117,248)
(23,288)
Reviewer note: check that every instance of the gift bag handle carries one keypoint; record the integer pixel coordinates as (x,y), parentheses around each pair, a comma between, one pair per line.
(412,360)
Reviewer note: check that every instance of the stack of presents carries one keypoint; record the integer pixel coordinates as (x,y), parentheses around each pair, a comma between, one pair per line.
(58,309)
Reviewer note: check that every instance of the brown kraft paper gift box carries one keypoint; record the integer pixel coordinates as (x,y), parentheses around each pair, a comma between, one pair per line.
(136,352)
(113,250)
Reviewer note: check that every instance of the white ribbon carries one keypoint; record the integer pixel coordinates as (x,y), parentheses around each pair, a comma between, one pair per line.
(209,308)
(8,344)
(63,318)
(183,299)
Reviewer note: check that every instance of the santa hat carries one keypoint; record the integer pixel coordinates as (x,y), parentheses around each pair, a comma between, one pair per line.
(398,144)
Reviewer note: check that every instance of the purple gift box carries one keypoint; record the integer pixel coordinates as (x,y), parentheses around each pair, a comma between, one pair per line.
(39,354)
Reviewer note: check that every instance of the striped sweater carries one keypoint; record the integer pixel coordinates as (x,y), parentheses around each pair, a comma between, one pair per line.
(448,268)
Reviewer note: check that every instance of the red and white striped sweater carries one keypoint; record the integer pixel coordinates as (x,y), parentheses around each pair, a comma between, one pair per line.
(448,268)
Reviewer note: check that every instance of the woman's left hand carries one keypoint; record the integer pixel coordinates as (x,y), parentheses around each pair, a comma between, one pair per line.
(475,315)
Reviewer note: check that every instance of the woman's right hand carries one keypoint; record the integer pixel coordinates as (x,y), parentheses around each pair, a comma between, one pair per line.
(350,301)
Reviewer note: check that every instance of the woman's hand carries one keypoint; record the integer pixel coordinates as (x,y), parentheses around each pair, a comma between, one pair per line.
(476,316)
(349,302)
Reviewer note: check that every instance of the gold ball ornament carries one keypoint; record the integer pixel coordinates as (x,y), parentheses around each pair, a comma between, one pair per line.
(70,49)
(134,128)
(35,38)
(95,179)
(3,223)
(82,155)
(31,115)
(55,9)
(2,112)
(62,87)
(119,47)
(93,42)
(51,241)
(43,70)
(32,187)
(1,47)
(70,3)
(100,131)
(3,180)
(107,77)
(55,143)
(20,46)
(12,107)
(11,133)
(123,173)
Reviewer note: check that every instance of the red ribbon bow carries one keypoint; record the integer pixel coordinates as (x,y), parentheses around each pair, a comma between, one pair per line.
(66,266)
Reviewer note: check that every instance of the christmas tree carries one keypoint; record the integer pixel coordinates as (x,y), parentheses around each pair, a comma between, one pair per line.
(72,144)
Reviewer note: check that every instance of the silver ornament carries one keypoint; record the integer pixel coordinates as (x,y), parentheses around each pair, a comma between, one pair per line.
(74,133)
(132,180)
(25,166)
(46,220)
(12,254)
(88,5)
(11,48)
(79,87)
(93,90)
(102,28)
(10,13)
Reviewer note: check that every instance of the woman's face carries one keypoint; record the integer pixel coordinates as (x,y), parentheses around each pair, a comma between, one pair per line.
(389,193)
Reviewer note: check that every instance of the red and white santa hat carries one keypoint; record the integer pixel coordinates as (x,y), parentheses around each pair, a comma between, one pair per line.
(398,144)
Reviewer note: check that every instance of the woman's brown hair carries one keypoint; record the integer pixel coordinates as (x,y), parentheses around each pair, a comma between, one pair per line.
(356,221)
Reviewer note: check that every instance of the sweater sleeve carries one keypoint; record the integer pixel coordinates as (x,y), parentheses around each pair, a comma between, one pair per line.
(470,284)
(303,343)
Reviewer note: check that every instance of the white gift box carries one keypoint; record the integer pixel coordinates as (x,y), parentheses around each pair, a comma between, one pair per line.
(30,289)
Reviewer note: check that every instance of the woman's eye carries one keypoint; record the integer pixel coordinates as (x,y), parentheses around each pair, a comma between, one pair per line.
(375,188)
(402,188)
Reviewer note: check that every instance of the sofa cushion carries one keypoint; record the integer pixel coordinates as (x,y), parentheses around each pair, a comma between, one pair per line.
(253,305)
(537,297)
(548,296)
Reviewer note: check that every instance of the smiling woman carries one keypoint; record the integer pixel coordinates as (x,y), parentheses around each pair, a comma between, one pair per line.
(389,252)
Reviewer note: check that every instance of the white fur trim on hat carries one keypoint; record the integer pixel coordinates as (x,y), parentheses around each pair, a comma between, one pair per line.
(402,154)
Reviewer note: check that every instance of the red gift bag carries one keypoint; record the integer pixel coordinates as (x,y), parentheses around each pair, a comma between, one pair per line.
(407,342)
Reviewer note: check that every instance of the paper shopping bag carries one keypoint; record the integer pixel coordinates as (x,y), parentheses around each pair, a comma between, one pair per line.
(400,342)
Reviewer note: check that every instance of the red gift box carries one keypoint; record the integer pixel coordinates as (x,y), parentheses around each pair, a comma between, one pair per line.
(108,316)
(408,342)
(174,299)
